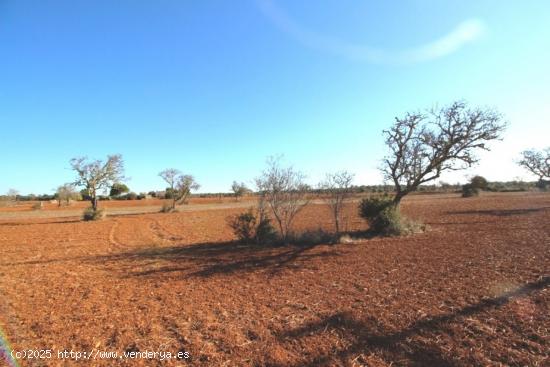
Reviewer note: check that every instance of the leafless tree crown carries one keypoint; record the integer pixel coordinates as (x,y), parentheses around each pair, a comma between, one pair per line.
(180,184)
(185,185)
(536,162)
(12,194)
(283,190)
(97,175)
(423,145)
(66,193)
(239,189)
(337,188)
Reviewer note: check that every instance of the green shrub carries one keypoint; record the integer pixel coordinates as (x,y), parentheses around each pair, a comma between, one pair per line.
(469,191)
(37,206)
(382,215)
(243,226)
(91,214)
(265,232)
(371,207)
(249,227)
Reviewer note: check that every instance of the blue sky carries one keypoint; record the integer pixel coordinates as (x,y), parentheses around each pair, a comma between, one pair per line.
(213,87)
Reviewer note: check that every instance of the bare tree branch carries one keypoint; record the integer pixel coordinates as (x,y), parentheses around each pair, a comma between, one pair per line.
(337,188)
(424,145)
(180,185)
(284,191)
(536,162)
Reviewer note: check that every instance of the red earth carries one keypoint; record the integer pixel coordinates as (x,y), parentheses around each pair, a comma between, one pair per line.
(474,289)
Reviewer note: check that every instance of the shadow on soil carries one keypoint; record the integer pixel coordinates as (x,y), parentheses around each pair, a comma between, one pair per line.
(362,337)
(499,213)
(210,259)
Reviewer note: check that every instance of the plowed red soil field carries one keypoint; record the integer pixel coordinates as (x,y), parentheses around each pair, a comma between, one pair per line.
(474,289)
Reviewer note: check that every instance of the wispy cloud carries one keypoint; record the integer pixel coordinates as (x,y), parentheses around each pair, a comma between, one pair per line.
(466,32)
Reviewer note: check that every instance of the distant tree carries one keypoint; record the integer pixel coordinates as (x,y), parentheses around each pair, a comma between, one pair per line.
(423,145)
(185,185)
(444,185)
(180,185)
(97,175)
(66,193)
(171,176)
(479,182)
(283,190)
(338,188)
(536,162)
(12,194)
(118,189)
(239,189)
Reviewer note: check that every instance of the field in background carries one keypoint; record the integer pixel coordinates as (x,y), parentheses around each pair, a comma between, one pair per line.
(473,290)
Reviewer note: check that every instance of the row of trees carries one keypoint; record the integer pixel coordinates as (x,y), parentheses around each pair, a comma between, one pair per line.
(96,176)
(422,146)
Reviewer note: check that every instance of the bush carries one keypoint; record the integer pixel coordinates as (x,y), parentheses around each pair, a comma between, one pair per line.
(265,232)
(91,214)
(37,206)
(371,207)
(243,226)
(469,191)
(249,227)
(389,222)
(167,208)
(382,215)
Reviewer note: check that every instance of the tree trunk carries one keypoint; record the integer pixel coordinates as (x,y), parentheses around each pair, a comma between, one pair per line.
(397,198)
(94,203)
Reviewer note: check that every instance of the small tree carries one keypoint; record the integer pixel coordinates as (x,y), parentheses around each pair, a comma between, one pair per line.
(284,191)
(118,189)
(479,182)
(185,185)
(239,189)
(12,195)
(170,175)
(66,193)
(180,185)
(536,162)
(423,145)
(337,187)
(97,175)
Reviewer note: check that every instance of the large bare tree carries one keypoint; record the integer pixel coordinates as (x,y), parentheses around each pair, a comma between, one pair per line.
(537,162)
(283,190)
(337,188)
(179,184)
(424,145)
(98,175)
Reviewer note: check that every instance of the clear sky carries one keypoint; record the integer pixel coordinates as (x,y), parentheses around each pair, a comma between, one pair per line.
(213,87)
